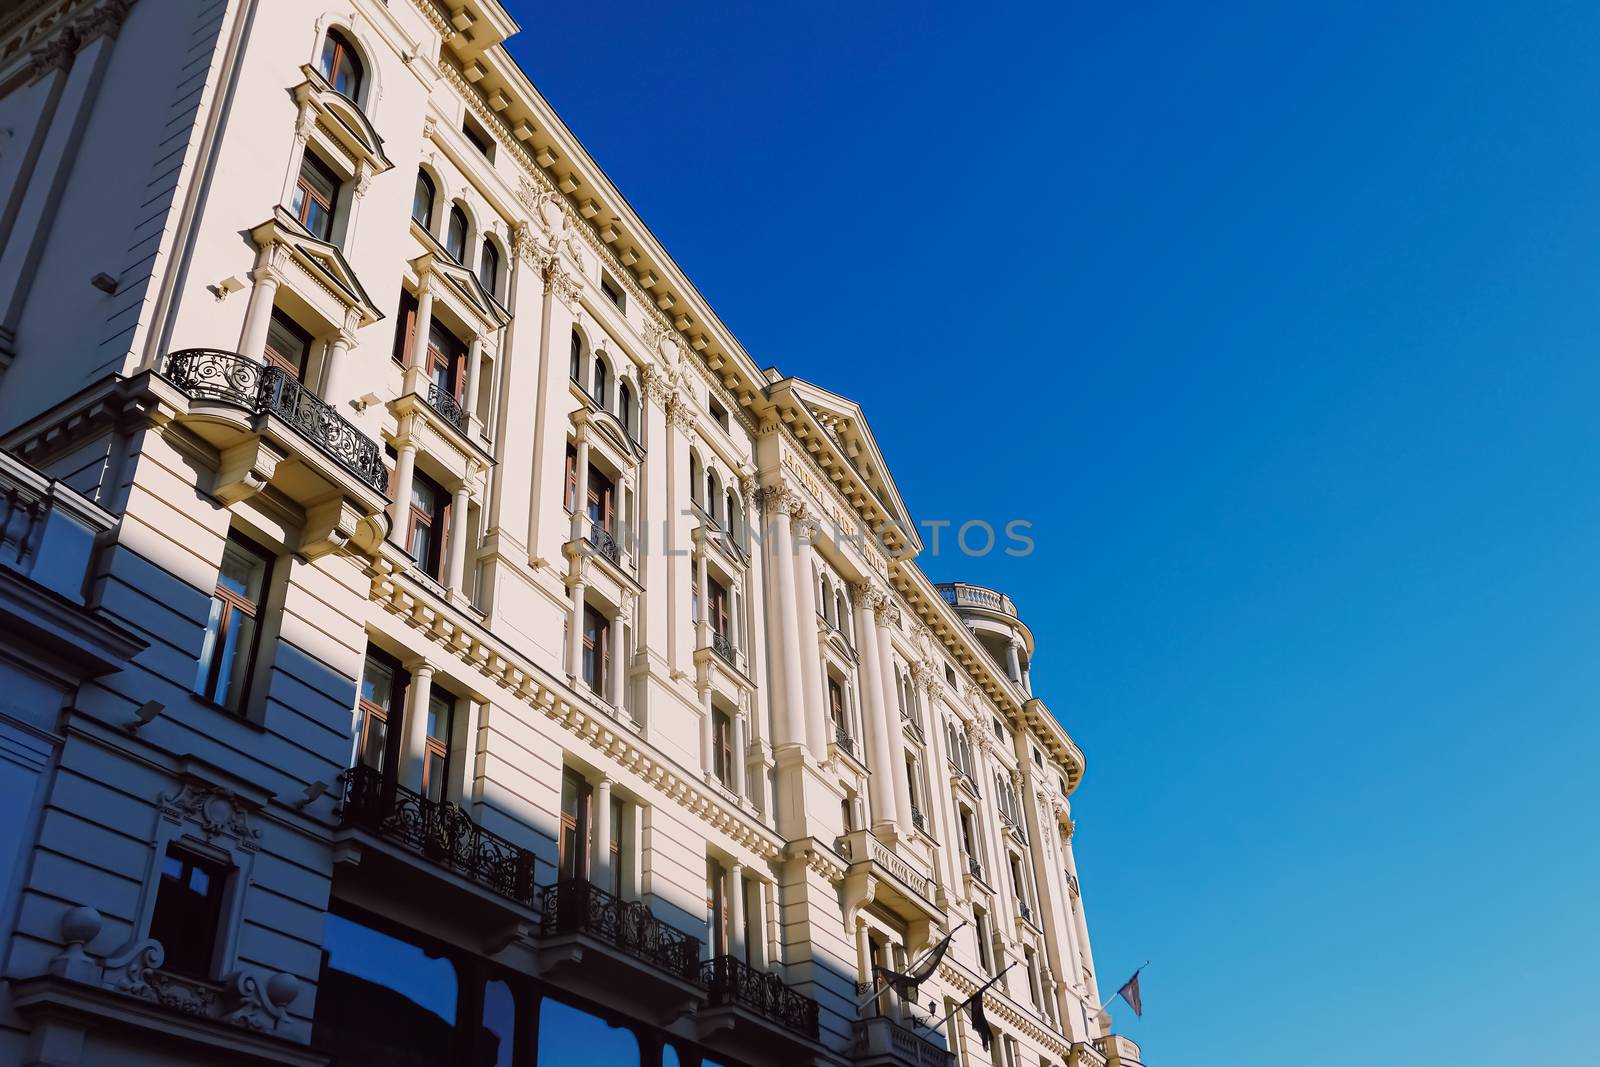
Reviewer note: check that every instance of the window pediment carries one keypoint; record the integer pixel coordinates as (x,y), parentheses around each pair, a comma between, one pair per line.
(461,286)
(339,294)
(341,120)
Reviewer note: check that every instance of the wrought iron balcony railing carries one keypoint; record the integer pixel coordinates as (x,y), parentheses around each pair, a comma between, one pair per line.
(732,981)
(440,831)
(209,374)
(918,820)
(724,648)
(603,542)
(842,738)
(445,403)
(576,906)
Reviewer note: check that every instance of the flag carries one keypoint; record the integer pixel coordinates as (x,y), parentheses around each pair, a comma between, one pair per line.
(1130,993)
(980,1025)
(906,984)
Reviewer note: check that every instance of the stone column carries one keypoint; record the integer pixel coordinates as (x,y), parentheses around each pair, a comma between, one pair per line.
(405,466)
(790,726)
(458,541)
(618,668)
(258,314)
(580,503)
(739,769)
(708,760)
(471,388)
(600,826)
(417,354)
(575,644)
(886,613)
(880,790)
(805,593)
(338,374)
(1014,660)
(413,743)
(736,911)
(702,625)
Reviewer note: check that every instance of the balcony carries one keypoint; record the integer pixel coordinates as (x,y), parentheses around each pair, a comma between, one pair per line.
(1118,1051)
(449,408)
(602,541)
(724,648)
(616,951)
(877,872)
(438,831)
(268,429)
(753,1016)
(882,1041)
(206,374)
(962,595)
(919,820)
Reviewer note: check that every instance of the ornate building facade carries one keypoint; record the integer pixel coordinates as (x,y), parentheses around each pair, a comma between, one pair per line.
(430,635)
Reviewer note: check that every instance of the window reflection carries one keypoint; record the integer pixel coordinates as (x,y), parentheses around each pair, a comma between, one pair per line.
(499,1025)
(572,1038)
(379,996)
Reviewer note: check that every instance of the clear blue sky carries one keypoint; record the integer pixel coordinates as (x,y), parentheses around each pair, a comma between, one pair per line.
(1281,326)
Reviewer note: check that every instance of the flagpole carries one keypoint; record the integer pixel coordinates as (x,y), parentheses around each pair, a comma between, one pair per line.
(1136,972)
(974,996)
(877,991)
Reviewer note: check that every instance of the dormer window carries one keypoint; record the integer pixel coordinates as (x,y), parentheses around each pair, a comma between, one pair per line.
(341,66)
(316,192)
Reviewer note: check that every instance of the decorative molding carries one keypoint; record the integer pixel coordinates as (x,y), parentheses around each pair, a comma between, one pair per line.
(217,811)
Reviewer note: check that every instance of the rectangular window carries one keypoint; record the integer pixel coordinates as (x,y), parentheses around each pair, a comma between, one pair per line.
(287,344)
(573,861)
(601,501)
(436,746)
(596,650)
(188,912)
(836,704)
(430,517)
(375,704)
(479,137)
(719,413)
(228,653)
(616,848)
(717,602)
(999,730)
(722,746)
(447,361)
(315,193)
(612,291)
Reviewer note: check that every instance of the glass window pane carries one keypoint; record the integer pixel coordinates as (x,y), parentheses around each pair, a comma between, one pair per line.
(208,649)
(377,684)
(499,1025)
(440,711)
(241,572)
(383,1000)
(572,1038)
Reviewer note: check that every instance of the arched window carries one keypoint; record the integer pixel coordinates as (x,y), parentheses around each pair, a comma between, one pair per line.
(694,478)
(455,238)
(713,493)
(422,200)
(625,406)
(732,515)
(600,373)
(843,613)
(489,267)
(577,356)
(341,66)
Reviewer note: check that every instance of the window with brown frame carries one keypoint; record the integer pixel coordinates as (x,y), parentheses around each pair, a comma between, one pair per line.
(436,745)
(422,200)
(569,495)
(722,746)
(341,66)
(836,704)
(615,888)
(382,683)
(574,843)
(596,650)
(287,344)
(717,602)
(316,192)
(429,523)
(228,653)
(447,360)
(188,912)
(602,500)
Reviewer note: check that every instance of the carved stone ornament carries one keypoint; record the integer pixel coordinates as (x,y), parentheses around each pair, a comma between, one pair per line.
(561,284)
(217,811)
